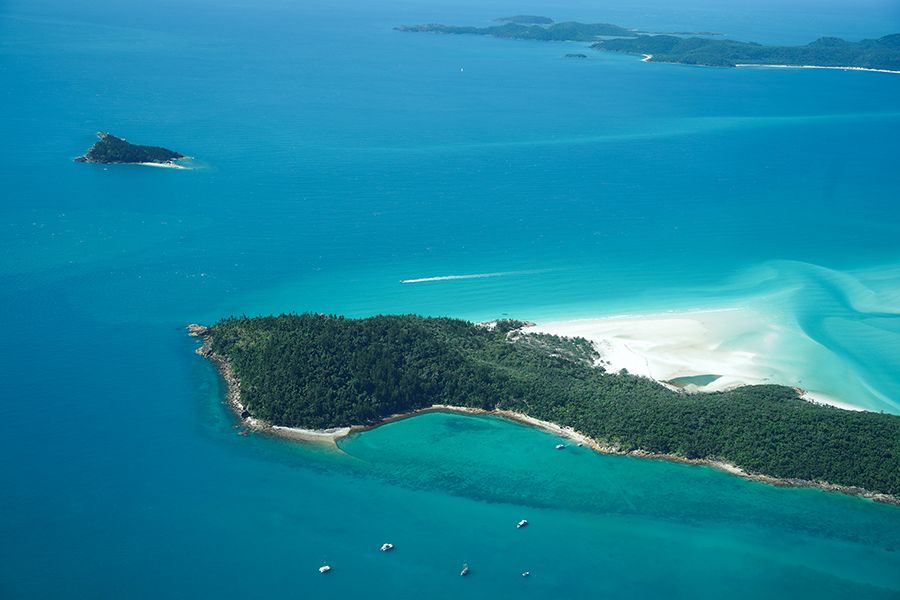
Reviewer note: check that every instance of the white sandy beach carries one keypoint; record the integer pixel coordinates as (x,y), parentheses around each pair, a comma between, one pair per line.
(163,165)
(739,345)
(821,67)
(327,436)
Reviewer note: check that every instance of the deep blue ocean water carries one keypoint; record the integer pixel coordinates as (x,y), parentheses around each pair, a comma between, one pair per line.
(336,157)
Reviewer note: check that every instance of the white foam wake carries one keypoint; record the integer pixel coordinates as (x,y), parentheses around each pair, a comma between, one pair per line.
(469,276)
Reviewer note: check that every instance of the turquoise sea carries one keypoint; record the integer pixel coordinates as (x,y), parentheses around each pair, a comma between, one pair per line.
(334,158)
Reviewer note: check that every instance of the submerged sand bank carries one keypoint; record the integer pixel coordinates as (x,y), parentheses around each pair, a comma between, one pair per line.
(581,439)
(734,347)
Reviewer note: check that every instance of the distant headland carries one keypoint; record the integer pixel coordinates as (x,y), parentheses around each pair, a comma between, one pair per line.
(110,149)
(881,54)
(560,32)
(318,377)
(526,20)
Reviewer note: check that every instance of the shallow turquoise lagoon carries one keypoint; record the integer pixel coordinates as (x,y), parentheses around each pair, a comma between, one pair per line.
(332,166)
(618,525)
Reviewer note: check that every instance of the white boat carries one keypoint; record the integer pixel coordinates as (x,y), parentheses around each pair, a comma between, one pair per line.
(465,570)
(324,569)
(521,523)
(526,573)
(560,446)
(386,547)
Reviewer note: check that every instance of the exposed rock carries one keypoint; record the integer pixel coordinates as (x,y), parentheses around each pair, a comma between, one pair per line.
(195,330)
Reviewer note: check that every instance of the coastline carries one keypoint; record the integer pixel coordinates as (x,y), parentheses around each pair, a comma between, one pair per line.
(168,165)
(172,164)
(819,67)
(233,399)
(672,346)
(330,437)
(649,58)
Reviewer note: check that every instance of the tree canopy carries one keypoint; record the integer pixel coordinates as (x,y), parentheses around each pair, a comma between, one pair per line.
(317,371)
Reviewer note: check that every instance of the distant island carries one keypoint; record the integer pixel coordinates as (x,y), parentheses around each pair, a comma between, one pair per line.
(879,54)
(110,149)
(575,55)
(882,54)
(330,375)
(526,20)
(560,32)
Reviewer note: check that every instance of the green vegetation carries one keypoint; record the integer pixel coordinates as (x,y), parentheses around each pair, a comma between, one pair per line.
(110,149)
(560,32)
(883,53)
(318,371)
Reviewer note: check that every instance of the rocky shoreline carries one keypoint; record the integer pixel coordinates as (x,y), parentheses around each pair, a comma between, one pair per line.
(333,435)
(110,149)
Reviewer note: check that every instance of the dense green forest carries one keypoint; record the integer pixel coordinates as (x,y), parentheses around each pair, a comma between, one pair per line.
(883,53)
(110,149)
(317,371)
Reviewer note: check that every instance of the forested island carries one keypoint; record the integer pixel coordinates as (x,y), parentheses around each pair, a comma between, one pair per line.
(317,371)
(110,149)
(561,32)
(876,54)
(526,20)
(881,54)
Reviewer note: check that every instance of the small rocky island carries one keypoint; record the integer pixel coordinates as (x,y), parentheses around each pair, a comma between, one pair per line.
(575,55)
(110,149)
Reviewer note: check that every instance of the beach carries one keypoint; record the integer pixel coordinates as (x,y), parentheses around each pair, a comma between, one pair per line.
(331,436)
(162,165)
(820,67)
(326,173)
(701,350)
